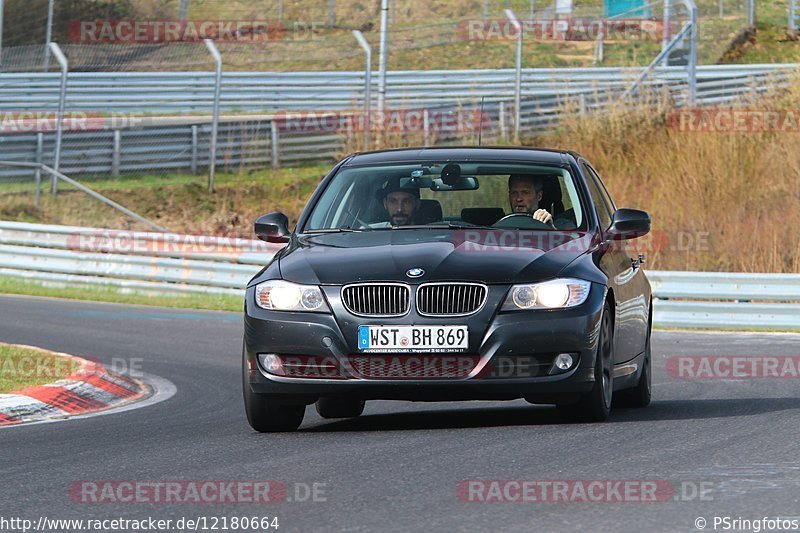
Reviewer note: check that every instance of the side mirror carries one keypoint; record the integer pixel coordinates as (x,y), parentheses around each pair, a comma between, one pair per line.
(629,224)
(273,227)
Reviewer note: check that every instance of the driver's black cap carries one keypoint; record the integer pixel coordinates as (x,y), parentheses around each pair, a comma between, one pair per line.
(393,185)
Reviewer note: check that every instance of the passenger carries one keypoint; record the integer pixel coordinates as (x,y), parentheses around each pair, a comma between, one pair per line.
(525,193)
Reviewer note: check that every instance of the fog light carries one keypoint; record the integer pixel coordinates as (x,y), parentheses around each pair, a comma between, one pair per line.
(271,363)
(563,362)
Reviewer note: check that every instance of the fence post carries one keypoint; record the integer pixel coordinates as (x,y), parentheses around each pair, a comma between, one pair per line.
(751,13)
(115,154)
(331,13)
(367,86)
(426,127)
(518,76)
(2,12)
(194,149)
(692,67)
(382,56)
(793,17)
(182,9)
(37,174)
(273,144)
(502,120)
(48,36)
(62,102)
(212,156)
(599,48)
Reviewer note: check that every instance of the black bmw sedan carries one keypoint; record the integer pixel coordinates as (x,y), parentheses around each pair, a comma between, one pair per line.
(442,274)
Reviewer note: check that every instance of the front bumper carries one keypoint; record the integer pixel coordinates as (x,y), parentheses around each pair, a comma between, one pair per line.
(496,337)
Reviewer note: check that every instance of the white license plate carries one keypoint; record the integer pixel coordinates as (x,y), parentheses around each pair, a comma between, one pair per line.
(412,338)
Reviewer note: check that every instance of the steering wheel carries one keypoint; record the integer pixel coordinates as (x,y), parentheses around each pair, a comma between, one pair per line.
(356,219)
(521,221)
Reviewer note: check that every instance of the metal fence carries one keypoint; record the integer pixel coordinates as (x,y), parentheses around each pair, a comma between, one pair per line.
(170,145)
(167,93)
(113,145)
(410,26)
(111,78)
(168,264)
(726,300)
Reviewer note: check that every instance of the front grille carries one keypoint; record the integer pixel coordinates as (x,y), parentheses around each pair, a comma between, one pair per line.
(376,299)
(412,366)
(450,299)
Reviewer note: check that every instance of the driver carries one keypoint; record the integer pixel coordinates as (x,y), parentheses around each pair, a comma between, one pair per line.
(525,193)
(402,204)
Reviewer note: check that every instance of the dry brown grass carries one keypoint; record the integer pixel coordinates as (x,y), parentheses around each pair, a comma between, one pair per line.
(743,189)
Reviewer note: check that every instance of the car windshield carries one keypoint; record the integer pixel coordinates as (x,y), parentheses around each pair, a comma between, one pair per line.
(452,194)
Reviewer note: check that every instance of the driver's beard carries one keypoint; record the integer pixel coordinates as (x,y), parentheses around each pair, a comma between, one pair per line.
(404,219)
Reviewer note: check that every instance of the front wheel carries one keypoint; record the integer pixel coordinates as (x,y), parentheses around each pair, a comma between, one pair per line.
(595,405)
(641,394)
(265,414)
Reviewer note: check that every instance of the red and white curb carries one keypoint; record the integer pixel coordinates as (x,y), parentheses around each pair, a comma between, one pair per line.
(90,388)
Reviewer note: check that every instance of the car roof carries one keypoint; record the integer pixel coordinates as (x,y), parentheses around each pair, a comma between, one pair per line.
(463,153)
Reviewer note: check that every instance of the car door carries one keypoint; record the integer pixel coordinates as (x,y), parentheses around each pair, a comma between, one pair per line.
(625,277)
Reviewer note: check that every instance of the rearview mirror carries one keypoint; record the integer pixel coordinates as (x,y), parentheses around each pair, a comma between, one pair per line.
(416,182)
(462,184)
(629,224)
(273,227)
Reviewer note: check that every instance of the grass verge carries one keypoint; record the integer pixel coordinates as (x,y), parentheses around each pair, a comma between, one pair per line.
(211,302)
(22,367)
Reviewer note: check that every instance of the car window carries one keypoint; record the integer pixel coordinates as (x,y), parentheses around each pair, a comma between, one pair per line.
(602,208)
(464,193)
(612,207)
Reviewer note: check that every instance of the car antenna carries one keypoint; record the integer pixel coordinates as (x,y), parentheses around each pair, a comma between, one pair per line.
(480,122)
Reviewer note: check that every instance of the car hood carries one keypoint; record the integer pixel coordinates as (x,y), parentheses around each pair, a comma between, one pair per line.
(489,256)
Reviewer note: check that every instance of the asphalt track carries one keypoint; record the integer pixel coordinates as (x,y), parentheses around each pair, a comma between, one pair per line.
(397,467)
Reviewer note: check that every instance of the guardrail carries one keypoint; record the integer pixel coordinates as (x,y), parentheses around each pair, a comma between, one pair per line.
(726,300)
(164,93)
(179,143)
(153,262)
(170,263)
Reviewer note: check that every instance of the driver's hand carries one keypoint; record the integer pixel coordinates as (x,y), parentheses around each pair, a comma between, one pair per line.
(543,216)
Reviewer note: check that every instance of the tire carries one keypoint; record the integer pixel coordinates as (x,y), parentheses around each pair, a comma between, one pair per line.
(339,407)
(641,394)
(595,405)
(265,415)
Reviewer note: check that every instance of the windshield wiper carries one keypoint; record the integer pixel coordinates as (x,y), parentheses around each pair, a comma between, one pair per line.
(332,230)
(449,225)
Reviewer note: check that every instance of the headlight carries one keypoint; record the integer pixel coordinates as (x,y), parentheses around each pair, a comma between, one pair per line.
(555,294)
(285,296)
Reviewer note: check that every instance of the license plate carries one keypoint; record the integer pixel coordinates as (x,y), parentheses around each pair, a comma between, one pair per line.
(412,338)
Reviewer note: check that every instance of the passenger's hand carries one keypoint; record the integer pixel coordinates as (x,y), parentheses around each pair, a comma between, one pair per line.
(543,216)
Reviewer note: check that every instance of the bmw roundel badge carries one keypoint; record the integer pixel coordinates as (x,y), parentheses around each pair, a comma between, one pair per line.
(415,272)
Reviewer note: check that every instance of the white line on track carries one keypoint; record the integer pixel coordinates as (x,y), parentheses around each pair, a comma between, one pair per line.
(163,390)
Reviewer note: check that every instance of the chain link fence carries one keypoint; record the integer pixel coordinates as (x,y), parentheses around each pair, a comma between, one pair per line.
(316,34)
